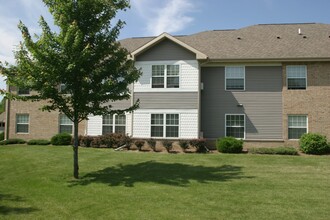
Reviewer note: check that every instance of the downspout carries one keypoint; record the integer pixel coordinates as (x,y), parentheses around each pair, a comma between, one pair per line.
(7,116)
(199,132)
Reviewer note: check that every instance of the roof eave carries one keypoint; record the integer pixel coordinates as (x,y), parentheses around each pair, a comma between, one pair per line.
(299,59)
(199,55)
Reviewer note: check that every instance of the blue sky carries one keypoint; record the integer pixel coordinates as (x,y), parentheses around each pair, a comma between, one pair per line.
(177,17)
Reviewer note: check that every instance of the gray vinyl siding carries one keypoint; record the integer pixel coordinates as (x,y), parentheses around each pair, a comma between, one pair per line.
(262,102)
(168,100)
(166,50)
(121,104)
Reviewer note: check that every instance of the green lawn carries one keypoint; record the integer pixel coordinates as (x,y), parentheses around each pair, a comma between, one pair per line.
(36,183)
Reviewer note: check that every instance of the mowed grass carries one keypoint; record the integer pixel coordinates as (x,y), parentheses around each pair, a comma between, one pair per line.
(36,183)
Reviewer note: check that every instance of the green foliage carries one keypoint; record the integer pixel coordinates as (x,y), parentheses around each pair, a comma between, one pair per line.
(229,145)
(2,136)
(2,105)
(83,54)
(139,144)
(312,143)
(152,143)
(200,144)
(168,145)
(61,139)
(274,150)
(184,144)
(12,141)
(38,142)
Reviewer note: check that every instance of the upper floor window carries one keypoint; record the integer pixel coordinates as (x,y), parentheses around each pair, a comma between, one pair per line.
(113,124)
(235,78)
(66,125)
(235,126)
(22,123)
(165,76)
(297,125)
(296,77)
(23,91)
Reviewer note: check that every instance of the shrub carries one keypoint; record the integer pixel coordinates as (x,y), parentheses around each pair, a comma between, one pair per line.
(86,141)
(119,139)
(38,142)
(168,145)
(152,143)
(106,140)
(229,145)
(312,143)
(274,150)
(12,141)
(96,142)
(139,144)
(61,139)
(184,144)
(2,136)
(200,145)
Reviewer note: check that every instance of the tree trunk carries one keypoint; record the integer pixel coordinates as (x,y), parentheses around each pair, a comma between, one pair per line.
(75,150)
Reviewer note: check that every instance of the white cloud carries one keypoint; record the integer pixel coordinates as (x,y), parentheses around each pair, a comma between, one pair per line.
(170,17)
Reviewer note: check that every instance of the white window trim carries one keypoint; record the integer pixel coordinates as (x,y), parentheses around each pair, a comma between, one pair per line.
(59,123)
(23,123)
(236,126)
(165,76)
(287,78)
(164,125)
(288,127)
(113,125)
(233,90)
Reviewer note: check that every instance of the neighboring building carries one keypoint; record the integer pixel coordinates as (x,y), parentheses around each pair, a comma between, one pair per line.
(263,83)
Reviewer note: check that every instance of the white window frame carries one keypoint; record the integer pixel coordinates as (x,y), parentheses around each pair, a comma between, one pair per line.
(244,76)
(287,76)
(236,126)
(114,124)
(28,123)
(166,76)
(59,123)
(297,126)
(165,125)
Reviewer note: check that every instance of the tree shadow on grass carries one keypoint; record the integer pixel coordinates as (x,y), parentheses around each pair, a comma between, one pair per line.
(7,210)
(174,174)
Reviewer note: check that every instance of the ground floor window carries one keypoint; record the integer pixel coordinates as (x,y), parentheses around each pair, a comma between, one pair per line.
(164,125)
(297,126)
(235,125)
(22,123)
(113,124)
(66,125)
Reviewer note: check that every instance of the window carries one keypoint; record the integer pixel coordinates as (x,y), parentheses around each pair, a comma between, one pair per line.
(23,91)
(165,76)
(297,125)
(113,124)
(66,125)
(62,87)
(235,77)
(171,125)
(296,77)
(22,123)
(235,126)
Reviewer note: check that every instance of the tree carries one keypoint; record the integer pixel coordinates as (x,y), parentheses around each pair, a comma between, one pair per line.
(83,56)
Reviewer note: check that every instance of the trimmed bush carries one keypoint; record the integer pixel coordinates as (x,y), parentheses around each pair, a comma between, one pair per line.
(274,150)
(168,145)
(61,139)
(139,144)
(12,141)
(96,142)
(184,144)
(38,142)
(152,143)
(113,140)
(312,143)
(229,145)
(85,141)
(2,136)
(200,145)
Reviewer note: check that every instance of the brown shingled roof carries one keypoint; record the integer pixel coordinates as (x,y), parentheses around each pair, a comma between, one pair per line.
(269,41)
